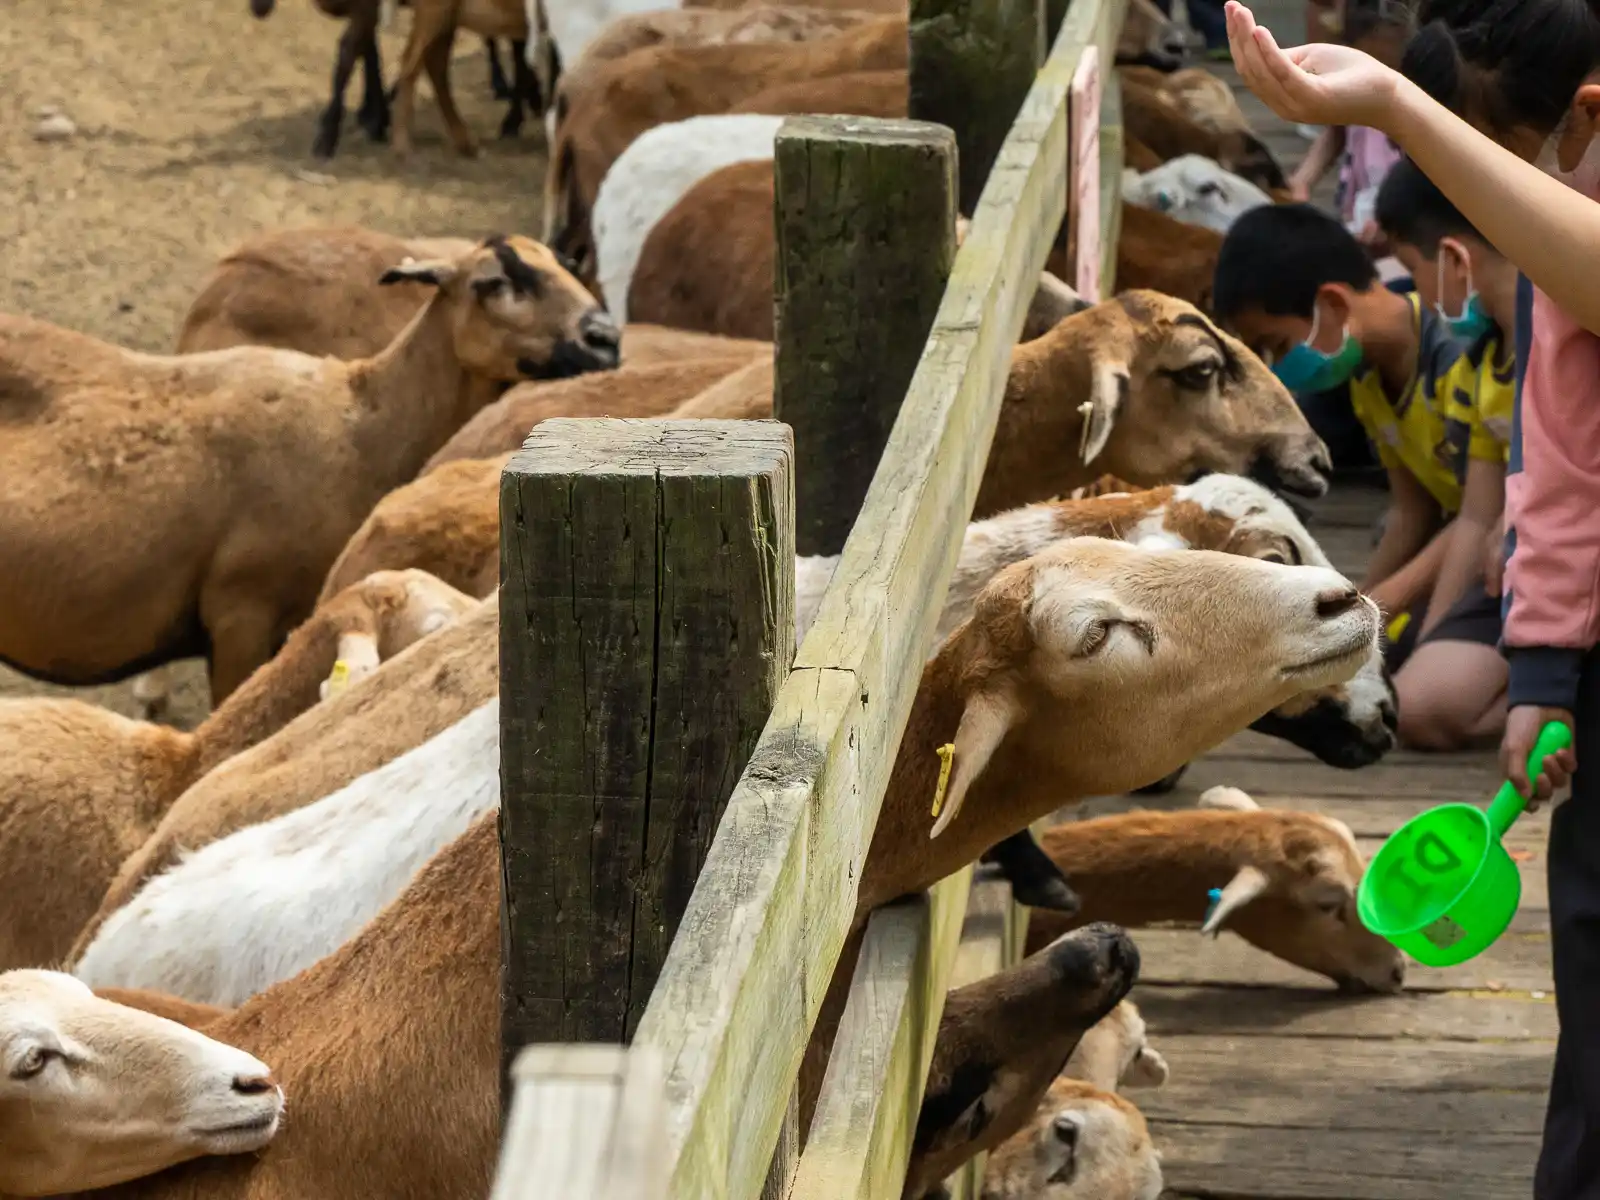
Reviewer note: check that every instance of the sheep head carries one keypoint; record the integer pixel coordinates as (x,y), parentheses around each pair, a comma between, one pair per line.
(1082,1144)
(1149,389)
(516,312)
(1070,652)
(93,1093)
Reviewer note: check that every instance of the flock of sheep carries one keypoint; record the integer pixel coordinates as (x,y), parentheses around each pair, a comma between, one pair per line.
(298,903)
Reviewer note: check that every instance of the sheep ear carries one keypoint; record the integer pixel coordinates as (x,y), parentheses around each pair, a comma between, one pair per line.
(988,717)
(1147,1070)
(1100,411)
(1244,887)
(436,271)
(1227,798)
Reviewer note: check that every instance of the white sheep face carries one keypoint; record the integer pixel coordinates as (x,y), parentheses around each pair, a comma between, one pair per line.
(1194,189)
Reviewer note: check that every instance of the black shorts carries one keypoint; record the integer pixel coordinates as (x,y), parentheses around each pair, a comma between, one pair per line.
(1475,617)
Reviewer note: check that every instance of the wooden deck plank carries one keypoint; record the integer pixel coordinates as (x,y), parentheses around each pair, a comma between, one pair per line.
(1234,1162)
(1435,1016)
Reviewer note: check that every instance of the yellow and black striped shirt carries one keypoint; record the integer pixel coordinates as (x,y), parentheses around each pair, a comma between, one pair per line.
(1456,408)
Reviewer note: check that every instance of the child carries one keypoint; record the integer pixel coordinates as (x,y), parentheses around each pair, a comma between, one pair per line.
(1299,290)
(1363,155)
(1526,73)
(1452,685)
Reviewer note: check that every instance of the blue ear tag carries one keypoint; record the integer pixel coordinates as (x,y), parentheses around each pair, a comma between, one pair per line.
(1215,895)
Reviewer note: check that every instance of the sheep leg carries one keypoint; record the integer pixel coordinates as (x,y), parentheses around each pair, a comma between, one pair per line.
(152,692)
(1034,877)
(1163,785)
(497,76)
(351,45)
(243,637)
(436,58)
(525,91)
(374,114)
(403,98)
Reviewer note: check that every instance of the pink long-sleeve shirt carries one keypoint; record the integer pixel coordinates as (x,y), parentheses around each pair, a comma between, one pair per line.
(1553,510)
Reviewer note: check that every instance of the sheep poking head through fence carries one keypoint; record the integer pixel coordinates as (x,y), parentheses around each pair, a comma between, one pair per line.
(1288,882)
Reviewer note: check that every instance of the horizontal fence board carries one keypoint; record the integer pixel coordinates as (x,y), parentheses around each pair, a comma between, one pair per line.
(741,987)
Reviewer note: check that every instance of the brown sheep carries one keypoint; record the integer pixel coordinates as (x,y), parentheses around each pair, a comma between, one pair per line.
(84,788)
(220,487)
(1288,883)
(1003,1040)
(448,522)
(715,27)
(628,392)
(316,290)
(1155,119)
(1161,253)
(433,30)
(1003,688)
(855,94)
(600,111)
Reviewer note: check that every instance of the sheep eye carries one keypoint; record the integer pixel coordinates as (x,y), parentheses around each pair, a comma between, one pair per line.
(1094,639)
(484,288)
(1197,378)
(1333,906)
(1272,556)
(1209,188)
(33,1063)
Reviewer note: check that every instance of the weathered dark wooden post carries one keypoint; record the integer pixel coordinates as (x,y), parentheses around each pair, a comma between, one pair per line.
(865,213)
(646,624)
(972,63)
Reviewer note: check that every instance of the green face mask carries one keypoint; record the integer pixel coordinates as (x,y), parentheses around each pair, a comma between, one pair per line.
(1306,369)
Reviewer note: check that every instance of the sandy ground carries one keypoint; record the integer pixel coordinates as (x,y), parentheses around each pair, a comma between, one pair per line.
(194,131)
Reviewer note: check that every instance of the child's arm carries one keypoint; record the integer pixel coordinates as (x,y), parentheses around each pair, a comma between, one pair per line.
(1482,498)
(1549,230)
(1413,516)
(1413,583)
(1319,160)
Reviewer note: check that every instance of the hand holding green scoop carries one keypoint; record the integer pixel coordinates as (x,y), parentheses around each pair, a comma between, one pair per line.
(1443,888)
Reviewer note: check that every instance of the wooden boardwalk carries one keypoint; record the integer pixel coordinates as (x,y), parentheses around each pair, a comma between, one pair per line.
(1282,1088)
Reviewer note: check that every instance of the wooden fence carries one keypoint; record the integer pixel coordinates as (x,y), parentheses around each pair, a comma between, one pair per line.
(686,804)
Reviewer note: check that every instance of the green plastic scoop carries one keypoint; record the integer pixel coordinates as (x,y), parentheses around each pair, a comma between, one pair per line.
(1443,888)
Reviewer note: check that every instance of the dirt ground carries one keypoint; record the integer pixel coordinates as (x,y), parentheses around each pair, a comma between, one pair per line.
(194,128)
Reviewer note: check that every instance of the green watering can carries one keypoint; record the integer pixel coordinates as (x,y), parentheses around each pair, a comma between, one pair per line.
(1443,888)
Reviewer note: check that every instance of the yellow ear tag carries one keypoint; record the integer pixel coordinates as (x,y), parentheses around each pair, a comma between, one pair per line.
(340,677)
(947,754)
(1398,626)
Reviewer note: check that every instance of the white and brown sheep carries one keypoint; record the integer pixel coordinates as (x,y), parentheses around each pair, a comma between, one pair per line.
(220,487)
(94,1093)
(1193,189)
(601,109)
(301,883)
(407,700)
(83,788)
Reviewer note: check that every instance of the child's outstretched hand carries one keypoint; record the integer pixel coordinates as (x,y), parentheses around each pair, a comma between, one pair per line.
(1320,84)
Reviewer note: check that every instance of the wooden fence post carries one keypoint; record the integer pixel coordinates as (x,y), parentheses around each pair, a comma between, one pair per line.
(587,1121)
(972,63)
(646,623)
(865,213)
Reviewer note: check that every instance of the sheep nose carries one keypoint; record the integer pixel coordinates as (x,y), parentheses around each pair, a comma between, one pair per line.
(1335,602)
(599,331)
(254,1085)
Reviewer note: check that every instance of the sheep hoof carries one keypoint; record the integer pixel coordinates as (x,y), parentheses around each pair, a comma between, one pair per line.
(512,125)
(1163,785)
(1053,894)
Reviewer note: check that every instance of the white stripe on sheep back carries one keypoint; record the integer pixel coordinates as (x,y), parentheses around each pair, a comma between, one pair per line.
(265,903)
(652,175)
(1193,189)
